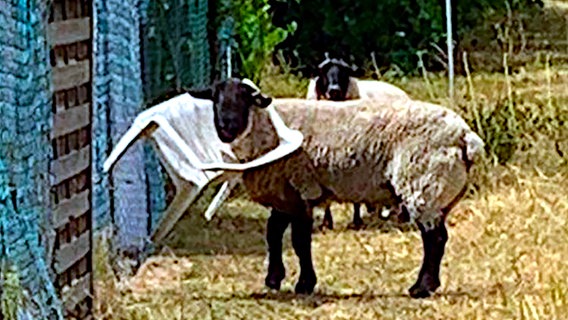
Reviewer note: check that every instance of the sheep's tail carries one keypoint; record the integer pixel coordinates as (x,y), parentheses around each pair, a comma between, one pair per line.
(472,149)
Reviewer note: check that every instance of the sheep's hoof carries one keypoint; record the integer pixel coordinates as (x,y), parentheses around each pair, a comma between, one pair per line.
(305,285)
(355,225)
(274,279)
(272,283)
(423,288)
(419,293)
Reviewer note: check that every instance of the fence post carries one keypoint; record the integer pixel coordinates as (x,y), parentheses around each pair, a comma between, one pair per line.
(450,49)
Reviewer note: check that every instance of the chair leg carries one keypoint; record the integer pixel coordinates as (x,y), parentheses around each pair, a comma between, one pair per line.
(184,197)
(219,198)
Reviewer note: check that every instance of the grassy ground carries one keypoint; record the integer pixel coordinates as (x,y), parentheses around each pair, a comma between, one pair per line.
(505,258)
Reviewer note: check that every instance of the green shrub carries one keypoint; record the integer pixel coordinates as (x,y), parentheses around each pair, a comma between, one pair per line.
(255,35)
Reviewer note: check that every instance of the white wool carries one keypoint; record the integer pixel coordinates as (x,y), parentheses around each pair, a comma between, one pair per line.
(311,95)
(385,212)
(378,89)
(475,145)
(427,182)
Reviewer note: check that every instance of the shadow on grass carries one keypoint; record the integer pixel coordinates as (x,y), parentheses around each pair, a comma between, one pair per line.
(232,232)
(239,227)
(318,299)
(229,232)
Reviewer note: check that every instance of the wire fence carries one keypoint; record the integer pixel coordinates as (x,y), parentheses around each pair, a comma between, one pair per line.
(141,49)
(25,152)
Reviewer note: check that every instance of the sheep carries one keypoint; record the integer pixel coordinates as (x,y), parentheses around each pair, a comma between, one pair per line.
(413,154)
(336,81)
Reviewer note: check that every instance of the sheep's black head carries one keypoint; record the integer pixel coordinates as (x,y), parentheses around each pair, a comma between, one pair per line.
(232,101)
(333,79)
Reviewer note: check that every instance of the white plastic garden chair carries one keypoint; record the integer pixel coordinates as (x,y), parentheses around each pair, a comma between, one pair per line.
(184,135)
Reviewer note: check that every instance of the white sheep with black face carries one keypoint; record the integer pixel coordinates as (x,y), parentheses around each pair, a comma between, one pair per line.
(336,81)
(412,154)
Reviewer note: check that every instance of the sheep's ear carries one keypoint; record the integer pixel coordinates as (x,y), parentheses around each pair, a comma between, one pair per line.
(206,93)
(261,100)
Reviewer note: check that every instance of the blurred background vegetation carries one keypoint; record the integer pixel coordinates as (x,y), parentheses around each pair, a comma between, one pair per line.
(277,43)
(297,33)
(188,42)
(395,32)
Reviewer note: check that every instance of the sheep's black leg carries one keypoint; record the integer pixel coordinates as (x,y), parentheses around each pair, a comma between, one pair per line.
(276,225)
(357,221)
(327,222)
(371,209)
(302,243)
(434,241)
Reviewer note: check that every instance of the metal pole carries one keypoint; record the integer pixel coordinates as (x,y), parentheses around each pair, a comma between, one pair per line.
(229,66)
(450,48)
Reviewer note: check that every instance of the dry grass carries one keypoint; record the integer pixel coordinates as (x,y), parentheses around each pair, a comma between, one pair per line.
(505,258)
